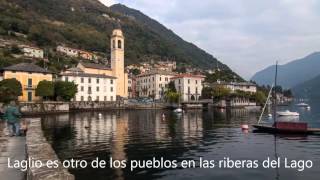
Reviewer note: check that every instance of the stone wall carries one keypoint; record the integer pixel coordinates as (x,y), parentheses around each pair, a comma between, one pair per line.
(43,107)
(38,148)
(91,105)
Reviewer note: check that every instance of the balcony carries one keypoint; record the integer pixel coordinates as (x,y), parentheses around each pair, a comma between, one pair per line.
(29,87)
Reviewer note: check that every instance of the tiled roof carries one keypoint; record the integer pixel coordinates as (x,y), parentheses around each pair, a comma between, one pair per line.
(153,72)
(95,66)
(26,67)
(187,76)
(88,75)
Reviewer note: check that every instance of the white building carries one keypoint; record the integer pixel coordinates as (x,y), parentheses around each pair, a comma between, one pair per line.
(239,86)
(30,51)
(68,51)
(91,87)
(189,86)
(153,83)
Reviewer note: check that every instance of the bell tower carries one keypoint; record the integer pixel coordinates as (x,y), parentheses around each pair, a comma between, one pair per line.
(117,61)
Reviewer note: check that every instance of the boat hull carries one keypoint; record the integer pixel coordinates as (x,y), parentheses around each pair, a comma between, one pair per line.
(273,129)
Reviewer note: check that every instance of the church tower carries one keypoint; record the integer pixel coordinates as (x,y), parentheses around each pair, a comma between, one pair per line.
(117,62)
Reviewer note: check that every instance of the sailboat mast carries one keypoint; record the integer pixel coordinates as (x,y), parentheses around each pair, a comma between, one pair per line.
(275,95)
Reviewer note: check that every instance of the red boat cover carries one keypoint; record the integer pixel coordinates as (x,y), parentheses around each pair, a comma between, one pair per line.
(292,126)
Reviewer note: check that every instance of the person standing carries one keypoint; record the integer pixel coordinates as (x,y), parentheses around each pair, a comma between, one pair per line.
(12,116)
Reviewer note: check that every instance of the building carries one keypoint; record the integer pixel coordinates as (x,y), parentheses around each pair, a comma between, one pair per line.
(117,64)
(33,52)
(76,53)
(189,86)
(29,75)
(132,86)
(153,84)
(236,86)
(68,51)
(91,87)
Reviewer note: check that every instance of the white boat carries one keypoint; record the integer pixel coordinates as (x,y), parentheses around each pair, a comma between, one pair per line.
(287,113)
(178,110)
(303,105)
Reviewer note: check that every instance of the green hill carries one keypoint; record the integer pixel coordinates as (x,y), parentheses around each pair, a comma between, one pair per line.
(87,24)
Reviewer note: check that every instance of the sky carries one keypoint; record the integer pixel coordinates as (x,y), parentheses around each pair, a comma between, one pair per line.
(247,35)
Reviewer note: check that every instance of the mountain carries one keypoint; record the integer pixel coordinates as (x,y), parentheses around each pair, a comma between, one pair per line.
(87,24)
(292,73)
(308,89)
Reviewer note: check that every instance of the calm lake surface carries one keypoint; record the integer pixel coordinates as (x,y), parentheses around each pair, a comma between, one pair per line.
(212,135)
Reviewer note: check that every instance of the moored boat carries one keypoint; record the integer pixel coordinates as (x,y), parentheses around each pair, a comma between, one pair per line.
(287,113)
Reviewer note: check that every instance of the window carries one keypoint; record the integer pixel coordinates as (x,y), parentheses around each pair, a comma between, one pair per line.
(105,98)
(119,44)
(188,81)
(152,78)
(188,90)
(98,80)
(89,89)
(29,82)
(160,78)
(97,89)
(82,98)
(179,81)
(166,79)
(97,99)
(196,81)
(82,88)
(111,89)
(89,80)
(82,80)
(111,98)
(111,81)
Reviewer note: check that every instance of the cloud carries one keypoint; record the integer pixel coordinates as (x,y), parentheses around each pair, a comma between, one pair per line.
(247,35)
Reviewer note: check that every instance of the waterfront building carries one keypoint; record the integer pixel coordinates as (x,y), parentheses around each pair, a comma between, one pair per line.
(189,86)
(117,64)
(132,85)
(29,75)
(153,84)
(236,86)
(31,51)
(91,87)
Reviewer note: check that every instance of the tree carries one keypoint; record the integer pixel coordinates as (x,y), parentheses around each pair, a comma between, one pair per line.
(45,89)
(220,92)
(135,71)
(65,90)
(172,87)
(15,49)
(260,97)
(10,89)
(207,93)
(172,97)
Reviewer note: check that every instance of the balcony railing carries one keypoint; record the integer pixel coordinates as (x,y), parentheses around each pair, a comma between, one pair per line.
(29,87)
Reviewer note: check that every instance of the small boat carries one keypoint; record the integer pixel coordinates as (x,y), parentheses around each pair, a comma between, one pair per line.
(303,105)
(287,113)
(178,110)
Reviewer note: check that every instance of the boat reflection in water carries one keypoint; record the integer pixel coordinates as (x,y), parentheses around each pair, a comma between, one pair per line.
(144,134)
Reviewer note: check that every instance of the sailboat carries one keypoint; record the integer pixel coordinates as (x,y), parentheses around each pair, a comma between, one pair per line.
(279,126)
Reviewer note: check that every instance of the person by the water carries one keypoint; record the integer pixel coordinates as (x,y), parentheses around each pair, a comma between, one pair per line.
(12,116)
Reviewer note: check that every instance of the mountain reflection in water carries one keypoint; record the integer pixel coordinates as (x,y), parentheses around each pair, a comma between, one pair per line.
(144,134)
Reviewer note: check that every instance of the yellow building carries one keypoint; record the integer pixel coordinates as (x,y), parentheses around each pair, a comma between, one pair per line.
(29,75)
(117,64)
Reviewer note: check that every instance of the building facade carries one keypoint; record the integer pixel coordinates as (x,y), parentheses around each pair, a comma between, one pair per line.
(189,86)
(32,52)
(29,75)
(153,84)
(76,53)
(91,87)
(132,86)
(117,64)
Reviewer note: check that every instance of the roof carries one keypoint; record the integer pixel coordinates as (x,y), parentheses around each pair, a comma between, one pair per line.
(95,66)
(75,69)
(88,75)
(187,76)
(26,67)
(154,72)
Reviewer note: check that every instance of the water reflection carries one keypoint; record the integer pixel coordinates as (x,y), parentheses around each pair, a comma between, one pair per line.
(144,134)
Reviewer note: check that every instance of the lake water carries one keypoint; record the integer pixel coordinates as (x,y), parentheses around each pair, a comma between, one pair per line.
(212,135)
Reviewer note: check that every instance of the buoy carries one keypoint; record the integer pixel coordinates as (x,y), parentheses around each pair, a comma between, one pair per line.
(244,127)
